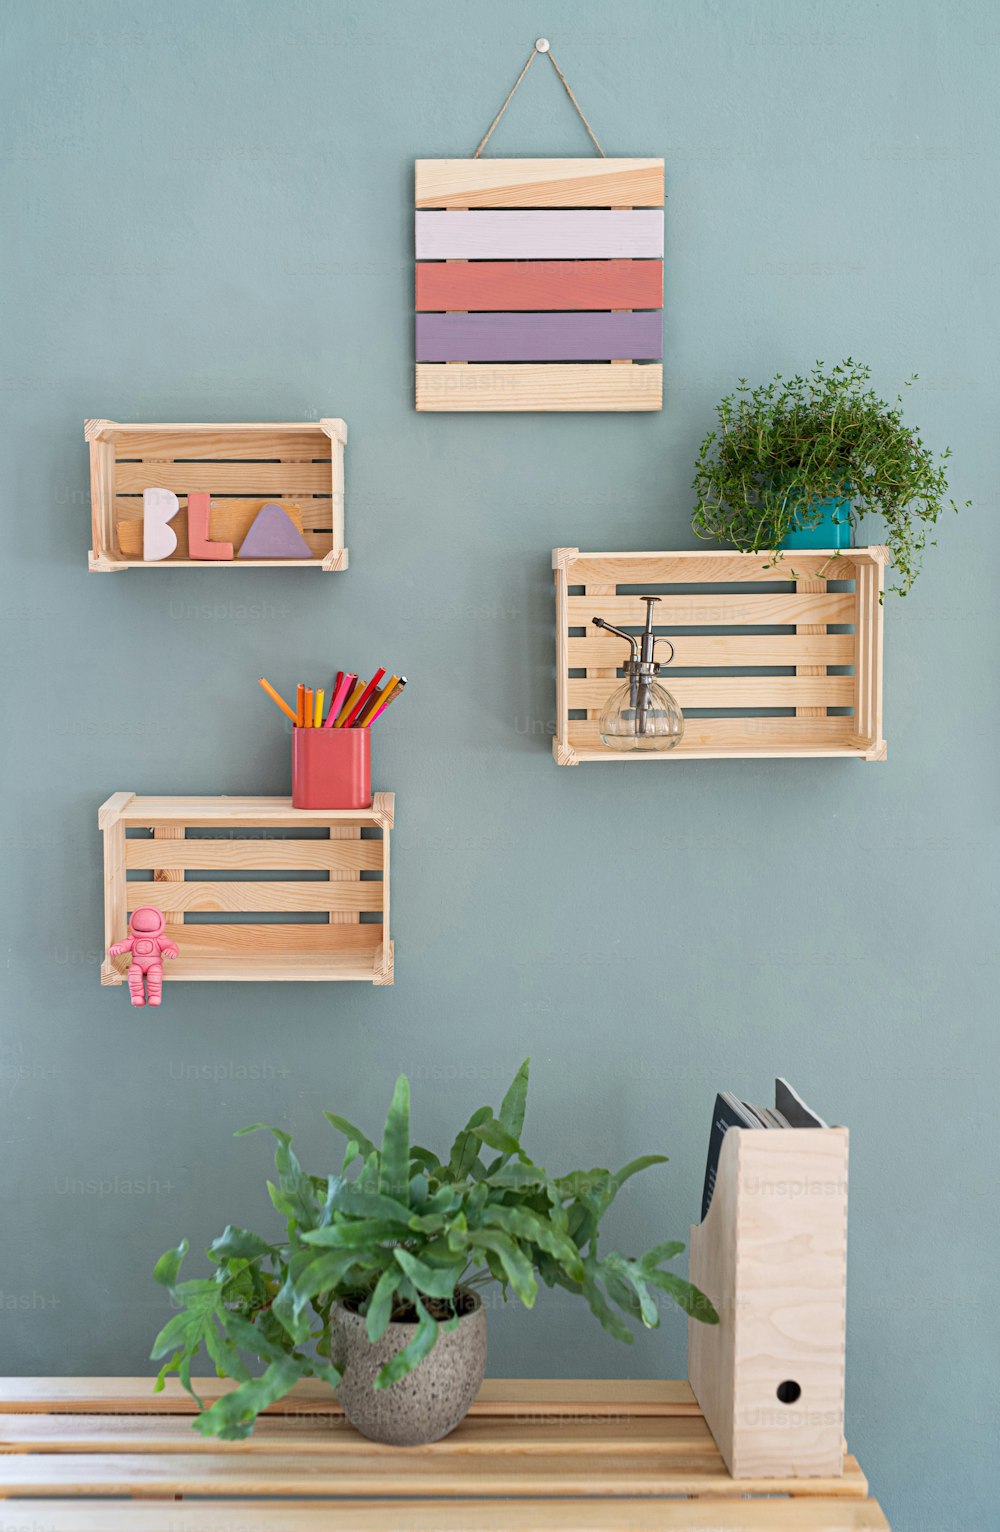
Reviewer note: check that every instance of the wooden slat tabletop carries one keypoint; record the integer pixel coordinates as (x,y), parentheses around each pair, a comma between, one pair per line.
(584,1455)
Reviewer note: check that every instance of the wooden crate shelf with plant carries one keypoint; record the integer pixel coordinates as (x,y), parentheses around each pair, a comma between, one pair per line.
(243,468)
(771,658)
(320,875)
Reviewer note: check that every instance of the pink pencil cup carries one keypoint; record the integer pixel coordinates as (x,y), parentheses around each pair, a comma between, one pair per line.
(331,769)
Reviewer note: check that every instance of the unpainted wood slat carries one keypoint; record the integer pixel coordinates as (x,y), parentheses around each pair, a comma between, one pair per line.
(728,691)
(497,1396)
(472,183)
(708,611)
(240,812)
(303,444)
(265,895)
(270,479)
(708,568)
(722,651)
(316,939)
(254,855)
(739,735)
(811,1514)
(401,1472)
(333,1434)
(545,387)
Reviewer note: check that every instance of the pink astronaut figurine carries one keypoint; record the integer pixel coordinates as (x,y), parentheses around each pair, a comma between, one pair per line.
(148,947)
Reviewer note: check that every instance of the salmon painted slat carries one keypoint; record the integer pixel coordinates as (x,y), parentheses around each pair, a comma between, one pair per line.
(539,235)
(539,337)
(475,286)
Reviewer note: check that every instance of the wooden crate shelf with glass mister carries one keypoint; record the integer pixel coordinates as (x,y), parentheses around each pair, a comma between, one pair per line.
(242,467)
(317,881)
(771,658)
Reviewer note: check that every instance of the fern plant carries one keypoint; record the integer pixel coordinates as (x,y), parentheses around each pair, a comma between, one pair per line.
(399,1233)
(780,450)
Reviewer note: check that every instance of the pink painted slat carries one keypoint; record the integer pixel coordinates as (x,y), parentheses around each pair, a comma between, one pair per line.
(540,337)
(530,234)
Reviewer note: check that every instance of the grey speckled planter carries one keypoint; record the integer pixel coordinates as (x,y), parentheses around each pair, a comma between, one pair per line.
(428,1403)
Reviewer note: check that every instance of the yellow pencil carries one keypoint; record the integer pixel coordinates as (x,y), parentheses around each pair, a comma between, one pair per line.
(381,700)
(356,691)
(276,698)
(318,715)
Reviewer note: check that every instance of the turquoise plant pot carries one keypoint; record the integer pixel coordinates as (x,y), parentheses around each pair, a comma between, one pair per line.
(832,530)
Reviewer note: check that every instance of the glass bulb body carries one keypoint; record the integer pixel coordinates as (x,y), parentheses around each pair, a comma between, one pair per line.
(641,715)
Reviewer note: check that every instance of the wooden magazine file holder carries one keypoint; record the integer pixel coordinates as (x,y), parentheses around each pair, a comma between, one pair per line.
(771,1254)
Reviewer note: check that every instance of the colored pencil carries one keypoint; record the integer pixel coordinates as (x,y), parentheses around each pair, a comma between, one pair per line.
(359,687)
(375,701)
(275,697)
(347,680)
(318,709)
(391,697)
(307,708)
(354,714)
(300,706)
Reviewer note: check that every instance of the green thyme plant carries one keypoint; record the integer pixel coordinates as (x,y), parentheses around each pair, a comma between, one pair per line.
(786,446)
(403,1237)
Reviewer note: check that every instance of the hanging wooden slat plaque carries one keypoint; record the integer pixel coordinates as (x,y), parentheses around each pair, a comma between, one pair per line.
(539,284)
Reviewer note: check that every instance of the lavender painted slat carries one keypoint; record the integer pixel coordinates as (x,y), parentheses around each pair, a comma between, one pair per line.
(536,235)
(574,337)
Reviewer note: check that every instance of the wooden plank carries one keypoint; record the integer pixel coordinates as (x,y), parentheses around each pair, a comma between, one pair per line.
(265,896)
(272,480)
(729,691)
(115,910)
(237,812)
(316,939)
(401,1472)
(536,235)
(497,1396)
(125,431)
(472,183)
(709,568)
(220,442)
(539,337)
(544,387)
(569,1515)
(330,1433)
(253,855)
(722,650)
(708,611)
(810,586)
(736,736)
(474,286)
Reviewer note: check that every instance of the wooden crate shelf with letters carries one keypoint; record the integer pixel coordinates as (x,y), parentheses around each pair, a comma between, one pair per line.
(299,465)
(210,863)
(771,659)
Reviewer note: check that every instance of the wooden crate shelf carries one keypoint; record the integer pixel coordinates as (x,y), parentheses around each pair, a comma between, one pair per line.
(188,857)
(241,466)
(771,659)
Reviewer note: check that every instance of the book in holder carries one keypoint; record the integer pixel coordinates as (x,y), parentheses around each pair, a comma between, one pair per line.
(771,1254)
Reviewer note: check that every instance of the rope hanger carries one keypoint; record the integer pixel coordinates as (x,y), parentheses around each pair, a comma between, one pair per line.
(541,46)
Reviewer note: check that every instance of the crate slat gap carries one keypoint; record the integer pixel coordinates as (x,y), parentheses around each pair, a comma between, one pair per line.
(793,593)
(337,944)
(240,465)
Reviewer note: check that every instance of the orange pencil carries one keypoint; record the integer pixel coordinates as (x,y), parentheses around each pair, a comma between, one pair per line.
(387,697)
(300,706)
(307,709)
(274,696)
(359,687)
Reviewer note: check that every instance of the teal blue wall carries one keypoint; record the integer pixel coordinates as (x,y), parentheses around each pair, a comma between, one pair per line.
(208,213)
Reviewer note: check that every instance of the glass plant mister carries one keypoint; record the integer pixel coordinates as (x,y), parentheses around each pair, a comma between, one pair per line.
(641,714)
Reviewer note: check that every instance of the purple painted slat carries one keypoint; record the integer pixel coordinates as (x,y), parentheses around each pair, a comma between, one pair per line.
(573,337)
(530,234)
